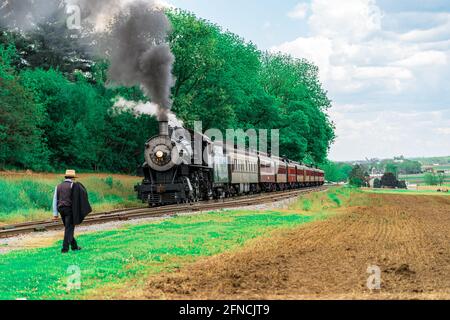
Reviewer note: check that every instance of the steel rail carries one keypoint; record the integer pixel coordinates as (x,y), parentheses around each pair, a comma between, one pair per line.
(165,211)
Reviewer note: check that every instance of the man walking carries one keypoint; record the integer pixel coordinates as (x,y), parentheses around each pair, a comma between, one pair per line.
(71,201)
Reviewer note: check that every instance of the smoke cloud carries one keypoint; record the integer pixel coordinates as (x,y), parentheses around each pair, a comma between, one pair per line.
(139,54)
(27,14)
(148,108)
(134,39)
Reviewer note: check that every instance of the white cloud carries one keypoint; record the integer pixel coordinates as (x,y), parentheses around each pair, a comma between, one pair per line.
(164,4)
(387,134)
(445,131)
(424,59)
(348,44)
(367,73)
(350,19)
(437,33)
(365,62)
(299,12)
(316,49)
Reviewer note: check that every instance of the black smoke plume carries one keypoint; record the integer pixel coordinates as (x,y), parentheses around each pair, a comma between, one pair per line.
(139,54)
(134,39)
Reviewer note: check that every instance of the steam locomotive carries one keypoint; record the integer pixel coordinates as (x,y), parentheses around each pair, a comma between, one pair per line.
(182,166)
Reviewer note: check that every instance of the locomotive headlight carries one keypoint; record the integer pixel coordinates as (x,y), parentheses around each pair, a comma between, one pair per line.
(158,155)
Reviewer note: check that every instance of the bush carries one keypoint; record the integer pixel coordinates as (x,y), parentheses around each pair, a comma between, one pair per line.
(39,195)
(110,182)
(431,179)
(358,176)
(9,197)
(25,195)
(402,185)
(389,180)
(335,198)
(377,183)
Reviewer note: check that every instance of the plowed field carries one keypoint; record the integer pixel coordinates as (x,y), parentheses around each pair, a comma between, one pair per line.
(407,237)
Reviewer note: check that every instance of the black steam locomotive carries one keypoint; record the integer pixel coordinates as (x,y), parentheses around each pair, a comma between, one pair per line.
(182,166)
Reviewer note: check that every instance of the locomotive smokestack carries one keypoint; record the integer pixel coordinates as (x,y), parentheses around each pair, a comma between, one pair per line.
(164,128)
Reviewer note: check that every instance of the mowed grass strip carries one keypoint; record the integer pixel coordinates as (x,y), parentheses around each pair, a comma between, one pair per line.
(420,178)
(333,198)
(134,251)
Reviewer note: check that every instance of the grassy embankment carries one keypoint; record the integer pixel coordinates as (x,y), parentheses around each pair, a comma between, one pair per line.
(27,197)
(116,258)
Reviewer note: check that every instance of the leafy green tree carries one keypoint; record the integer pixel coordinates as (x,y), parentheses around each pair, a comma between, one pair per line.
(43,40)
(392,168)
(336,172)
(402,185)
(431,179)
(295,85)
(389,180)
(75,117)
(377,183)
(410,167)
(358,176)
(21,141)
(124,138)
(54,96)
(228,83)
(206,84)
(82,128)
(441,178)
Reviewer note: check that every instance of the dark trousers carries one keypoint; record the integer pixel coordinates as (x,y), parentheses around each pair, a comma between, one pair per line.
(69,228)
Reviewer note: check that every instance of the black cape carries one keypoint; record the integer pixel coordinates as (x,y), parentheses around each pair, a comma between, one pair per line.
(80,203)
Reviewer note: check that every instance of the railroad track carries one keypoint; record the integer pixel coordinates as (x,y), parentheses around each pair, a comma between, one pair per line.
(166,211)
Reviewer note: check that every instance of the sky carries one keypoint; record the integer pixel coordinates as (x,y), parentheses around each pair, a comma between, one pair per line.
(384,63)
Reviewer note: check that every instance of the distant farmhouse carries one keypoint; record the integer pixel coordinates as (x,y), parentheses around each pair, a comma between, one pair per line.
(436,168)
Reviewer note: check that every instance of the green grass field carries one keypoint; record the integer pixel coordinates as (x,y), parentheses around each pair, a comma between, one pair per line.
(115,257)
(419,178)
(407,192)
(26,197)
(433,160)
(331,199)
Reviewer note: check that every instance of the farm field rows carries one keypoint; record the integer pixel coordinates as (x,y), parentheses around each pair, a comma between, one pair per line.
(405,236)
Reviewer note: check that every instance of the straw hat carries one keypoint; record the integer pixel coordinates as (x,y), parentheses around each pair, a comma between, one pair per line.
(70,174)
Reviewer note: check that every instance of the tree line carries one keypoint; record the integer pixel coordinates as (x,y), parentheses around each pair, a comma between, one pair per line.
(57,111)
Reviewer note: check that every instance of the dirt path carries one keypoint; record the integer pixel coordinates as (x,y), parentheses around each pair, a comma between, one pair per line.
(408,237)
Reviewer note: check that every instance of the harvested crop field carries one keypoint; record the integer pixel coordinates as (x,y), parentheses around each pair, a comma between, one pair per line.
(407,237)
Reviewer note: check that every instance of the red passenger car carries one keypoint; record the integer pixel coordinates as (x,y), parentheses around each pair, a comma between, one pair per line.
(292,174)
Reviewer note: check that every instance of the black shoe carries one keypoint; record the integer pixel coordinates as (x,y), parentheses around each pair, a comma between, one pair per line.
(64,250)
(76,249)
